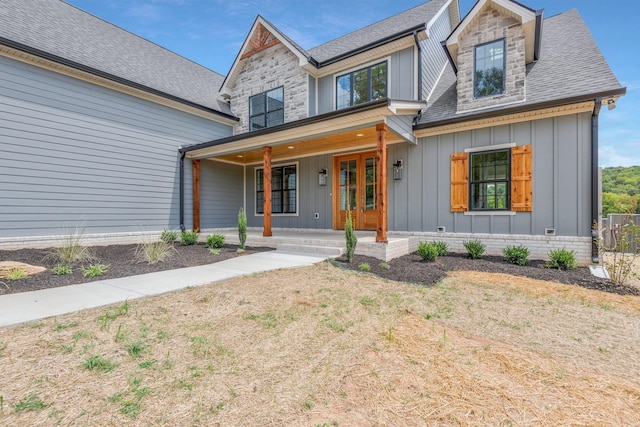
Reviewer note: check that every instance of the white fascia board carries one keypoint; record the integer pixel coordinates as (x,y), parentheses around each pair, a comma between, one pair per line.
(406,107)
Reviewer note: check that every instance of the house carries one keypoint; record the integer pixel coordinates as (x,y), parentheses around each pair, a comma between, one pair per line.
(426,125)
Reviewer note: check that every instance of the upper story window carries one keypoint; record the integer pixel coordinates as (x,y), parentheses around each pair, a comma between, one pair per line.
(266,109)
(489,183)
(364,85)
(489,76)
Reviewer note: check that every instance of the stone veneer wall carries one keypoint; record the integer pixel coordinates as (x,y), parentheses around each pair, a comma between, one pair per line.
(488,26)
(266,70)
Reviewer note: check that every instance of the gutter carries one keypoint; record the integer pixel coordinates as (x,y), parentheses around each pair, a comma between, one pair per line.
(595,253)
(372,45)
(415,38)
(181,180)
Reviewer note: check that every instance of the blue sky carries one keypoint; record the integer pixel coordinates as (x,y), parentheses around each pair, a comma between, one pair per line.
(210,32)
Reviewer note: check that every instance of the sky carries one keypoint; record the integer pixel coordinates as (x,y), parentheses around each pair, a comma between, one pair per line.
(210,32)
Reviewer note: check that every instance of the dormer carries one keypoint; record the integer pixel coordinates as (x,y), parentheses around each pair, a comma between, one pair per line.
(490,50)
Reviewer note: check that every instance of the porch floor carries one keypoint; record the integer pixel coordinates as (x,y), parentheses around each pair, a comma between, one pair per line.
(327,242)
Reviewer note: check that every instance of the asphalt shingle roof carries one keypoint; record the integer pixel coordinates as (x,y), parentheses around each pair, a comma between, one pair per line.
(381,30)
(570,66)
(61,29)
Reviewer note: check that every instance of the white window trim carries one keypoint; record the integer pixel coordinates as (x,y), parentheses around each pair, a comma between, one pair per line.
(255,189)
(490,148)
(340,73)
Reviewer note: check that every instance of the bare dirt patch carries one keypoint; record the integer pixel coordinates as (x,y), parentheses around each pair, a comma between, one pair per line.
(324,346)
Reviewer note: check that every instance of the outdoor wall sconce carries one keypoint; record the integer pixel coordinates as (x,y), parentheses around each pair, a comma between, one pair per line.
(397,170)
(322,177)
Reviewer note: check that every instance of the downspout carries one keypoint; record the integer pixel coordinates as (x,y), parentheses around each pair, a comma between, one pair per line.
(594,181)
(415,38)
(182,154)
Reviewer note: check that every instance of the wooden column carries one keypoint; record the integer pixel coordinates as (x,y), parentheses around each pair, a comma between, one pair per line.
(266,161)
(381,172)
(195,168)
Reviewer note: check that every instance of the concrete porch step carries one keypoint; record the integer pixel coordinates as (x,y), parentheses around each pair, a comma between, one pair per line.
(328,251)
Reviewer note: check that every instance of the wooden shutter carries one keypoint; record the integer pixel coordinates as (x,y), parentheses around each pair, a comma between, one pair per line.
(521,183)
(459,182)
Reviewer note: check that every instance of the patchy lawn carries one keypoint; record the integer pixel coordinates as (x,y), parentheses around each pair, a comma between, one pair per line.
(323,346)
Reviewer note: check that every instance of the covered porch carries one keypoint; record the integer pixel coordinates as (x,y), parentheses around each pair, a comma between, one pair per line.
(352,177)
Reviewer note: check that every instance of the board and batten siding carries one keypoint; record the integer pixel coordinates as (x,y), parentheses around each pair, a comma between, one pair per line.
(421,201)
(312,197)
(77,155)
(401,75)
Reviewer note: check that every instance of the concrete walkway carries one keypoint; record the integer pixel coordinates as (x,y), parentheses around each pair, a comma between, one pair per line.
(29,306)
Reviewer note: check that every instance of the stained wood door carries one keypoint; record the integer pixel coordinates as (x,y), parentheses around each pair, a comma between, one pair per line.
(355,190)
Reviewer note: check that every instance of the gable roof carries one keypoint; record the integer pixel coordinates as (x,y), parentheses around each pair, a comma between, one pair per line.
(369,37)
(530,19)
(571,69)
(375,33)
(65,34)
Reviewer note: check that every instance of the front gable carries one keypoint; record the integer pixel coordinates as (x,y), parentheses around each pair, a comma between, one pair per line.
(503,34)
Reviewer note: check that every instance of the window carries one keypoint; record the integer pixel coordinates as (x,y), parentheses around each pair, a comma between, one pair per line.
(357,87)
(283,189)
(489,183)
(492,180)
(489,69)
(266,109)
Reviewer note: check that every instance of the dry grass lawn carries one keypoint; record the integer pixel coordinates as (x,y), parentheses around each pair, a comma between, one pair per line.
(318,346)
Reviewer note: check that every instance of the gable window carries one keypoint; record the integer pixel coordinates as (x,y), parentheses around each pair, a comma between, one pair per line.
(492,180)
(284,184)
(364,85)
(489,77)
(266,109)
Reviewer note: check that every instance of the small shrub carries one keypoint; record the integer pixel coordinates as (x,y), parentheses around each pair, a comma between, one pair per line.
(188,238)
(95,270)
(242,228)
(215,241)
(428,251)
(475,248)
(562,259)
(61,269)
(442,247)
(350,237)
(384,266)
(16,274)
(364,267)
(169,236)
(214,251)
(71,251)
(518,255)
(154,252)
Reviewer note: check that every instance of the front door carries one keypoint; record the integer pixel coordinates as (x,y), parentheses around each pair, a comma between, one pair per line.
(355,190)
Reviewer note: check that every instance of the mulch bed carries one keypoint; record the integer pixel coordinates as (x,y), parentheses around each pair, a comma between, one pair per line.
(409,268)
(412,269)
(119,258)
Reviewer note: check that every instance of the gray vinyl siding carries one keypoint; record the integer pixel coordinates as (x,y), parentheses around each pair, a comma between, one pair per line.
(401,74)
(221,194)
(561,180)
(433,57)
(312,198)
(73,154)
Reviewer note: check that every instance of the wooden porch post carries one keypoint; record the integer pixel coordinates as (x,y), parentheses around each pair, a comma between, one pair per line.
(266,160)
(195,168)
(381,161)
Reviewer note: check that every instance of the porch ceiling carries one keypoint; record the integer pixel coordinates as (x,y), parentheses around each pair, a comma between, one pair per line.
(351,140)
(348,130)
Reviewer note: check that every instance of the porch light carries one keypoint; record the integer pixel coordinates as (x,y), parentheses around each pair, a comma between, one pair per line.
(322,177)
(397,170)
